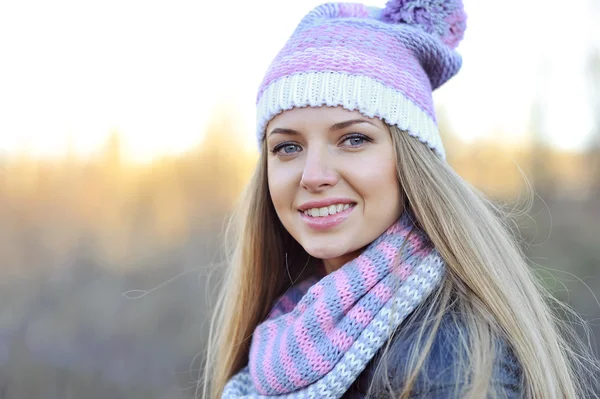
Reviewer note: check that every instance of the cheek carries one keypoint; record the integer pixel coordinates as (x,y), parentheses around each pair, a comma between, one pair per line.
(281,187)
(376,181)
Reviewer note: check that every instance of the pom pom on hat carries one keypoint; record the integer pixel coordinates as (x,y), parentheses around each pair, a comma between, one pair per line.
(445,19)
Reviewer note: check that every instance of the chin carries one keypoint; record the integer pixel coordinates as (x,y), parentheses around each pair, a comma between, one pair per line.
(321,249)
(324,252)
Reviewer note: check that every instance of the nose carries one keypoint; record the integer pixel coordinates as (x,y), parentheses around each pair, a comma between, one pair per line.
(318,173)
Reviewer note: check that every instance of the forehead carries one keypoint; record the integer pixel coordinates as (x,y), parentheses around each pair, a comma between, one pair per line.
(315,116)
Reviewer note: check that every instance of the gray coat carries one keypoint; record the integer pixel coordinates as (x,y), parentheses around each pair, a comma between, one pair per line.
(438,377)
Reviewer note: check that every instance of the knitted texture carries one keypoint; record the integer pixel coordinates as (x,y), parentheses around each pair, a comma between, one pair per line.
(384,63)
(445,19)
(322,333)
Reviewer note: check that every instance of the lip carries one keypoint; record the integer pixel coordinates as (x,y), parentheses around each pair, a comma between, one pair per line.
(326,222)
(325,202)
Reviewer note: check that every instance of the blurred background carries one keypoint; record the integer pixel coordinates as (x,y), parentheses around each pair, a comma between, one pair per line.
(127,133)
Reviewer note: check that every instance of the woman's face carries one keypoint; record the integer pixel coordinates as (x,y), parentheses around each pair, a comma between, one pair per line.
(332,180)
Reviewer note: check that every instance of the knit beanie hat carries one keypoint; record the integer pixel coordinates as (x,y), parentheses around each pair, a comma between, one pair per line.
(383,63)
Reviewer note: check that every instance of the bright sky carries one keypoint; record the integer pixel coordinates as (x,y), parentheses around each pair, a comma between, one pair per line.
(73,71)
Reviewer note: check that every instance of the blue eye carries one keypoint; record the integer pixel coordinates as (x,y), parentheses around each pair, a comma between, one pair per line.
(356,140)
(286,148)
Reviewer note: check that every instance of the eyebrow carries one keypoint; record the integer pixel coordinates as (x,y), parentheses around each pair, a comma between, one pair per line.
(334,127)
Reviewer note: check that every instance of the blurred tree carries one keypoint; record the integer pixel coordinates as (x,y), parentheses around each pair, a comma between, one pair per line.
(593,154)
(542,179)
(112,152)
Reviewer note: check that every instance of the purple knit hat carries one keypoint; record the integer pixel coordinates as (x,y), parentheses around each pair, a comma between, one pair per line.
(383,63)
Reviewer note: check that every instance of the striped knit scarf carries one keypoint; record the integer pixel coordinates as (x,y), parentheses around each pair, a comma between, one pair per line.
(321,334)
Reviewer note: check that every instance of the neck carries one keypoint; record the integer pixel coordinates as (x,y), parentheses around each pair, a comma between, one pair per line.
(334,264)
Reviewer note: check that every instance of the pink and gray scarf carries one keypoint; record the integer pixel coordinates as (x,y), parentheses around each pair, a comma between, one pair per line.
(321,334)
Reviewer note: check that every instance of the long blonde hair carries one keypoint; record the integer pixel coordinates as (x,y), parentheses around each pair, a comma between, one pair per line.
(488,281)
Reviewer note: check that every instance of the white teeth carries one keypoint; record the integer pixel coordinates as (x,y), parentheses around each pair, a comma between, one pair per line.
(327,210)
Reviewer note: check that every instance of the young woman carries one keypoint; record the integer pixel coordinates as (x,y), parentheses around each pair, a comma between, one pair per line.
(362,265)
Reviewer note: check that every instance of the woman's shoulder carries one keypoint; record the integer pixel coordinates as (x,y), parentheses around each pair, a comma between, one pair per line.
(440,375)
(441,371)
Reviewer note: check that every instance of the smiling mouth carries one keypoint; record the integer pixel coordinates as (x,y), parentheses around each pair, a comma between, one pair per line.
(327,210)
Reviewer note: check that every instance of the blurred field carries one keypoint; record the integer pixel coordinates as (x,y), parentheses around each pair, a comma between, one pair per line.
(105,265)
